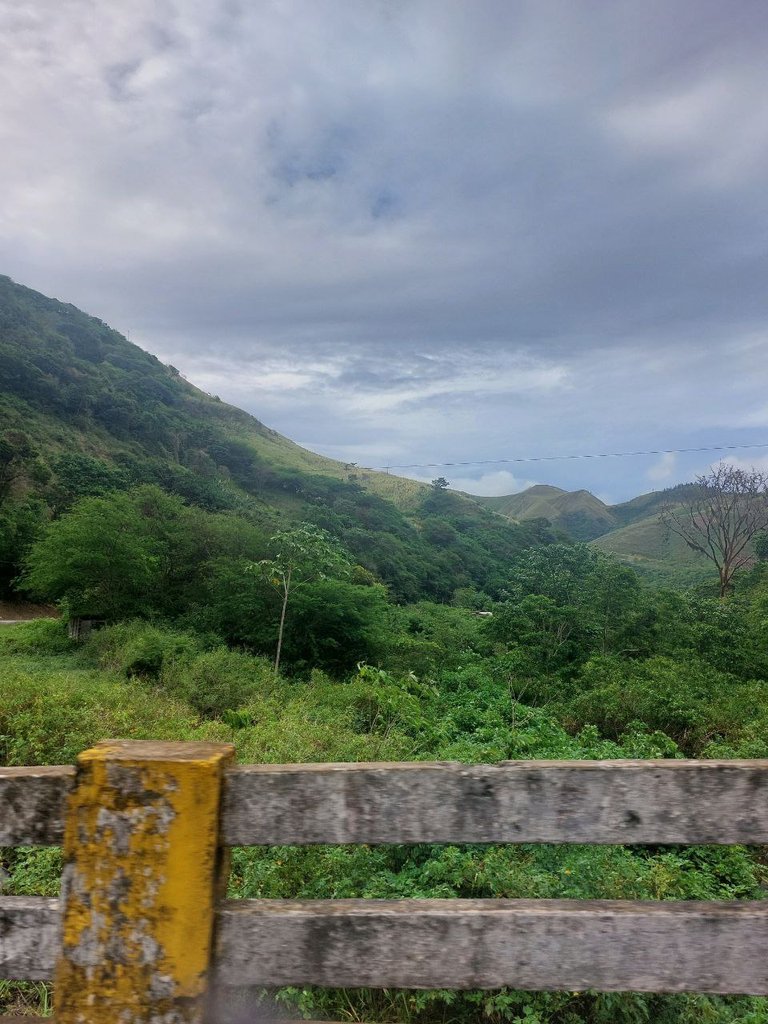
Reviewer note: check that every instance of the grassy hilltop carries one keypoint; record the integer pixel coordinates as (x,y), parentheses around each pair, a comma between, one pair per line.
(630,530)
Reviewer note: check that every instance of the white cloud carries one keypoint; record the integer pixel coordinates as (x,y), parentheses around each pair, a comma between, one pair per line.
(462,376)
(495,483)
(664,469)
(419,231)
(705,124)
(749,463)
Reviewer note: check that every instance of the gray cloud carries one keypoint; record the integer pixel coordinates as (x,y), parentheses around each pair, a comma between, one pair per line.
(412,230)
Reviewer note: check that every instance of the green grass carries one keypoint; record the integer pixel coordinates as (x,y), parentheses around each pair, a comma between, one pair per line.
(59,698)
(650,549)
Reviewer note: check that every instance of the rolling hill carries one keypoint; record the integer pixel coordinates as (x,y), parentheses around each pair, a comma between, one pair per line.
(579,513)
(84,411)
(630,530)
(660,556)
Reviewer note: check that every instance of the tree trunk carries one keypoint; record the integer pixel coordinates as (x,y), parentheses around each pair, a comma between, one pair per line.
(286,590)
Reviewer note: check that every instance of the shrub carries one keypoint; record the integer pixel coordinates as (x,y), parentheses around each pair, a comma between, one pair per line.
(38,636)
(49,714)
(138,648)
(216,681)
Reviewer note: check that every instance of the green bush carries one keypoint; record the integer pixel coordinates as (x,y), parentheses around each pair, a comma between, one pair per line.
(216,681)
(691,702)
(38,636)
(49,713)
(138,648)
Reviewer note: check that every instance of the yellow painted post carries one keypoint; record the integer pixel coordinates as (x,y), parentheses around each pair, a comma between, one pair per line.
(142,873)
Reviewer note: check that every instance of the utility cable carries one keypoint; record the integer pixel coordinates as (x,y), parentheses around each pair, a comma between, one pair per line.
(556,458)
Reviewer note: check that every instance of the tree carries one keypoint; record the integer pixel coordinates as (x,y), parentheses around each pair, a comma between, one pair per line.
(303,555)
(334,625)
(720,518)
(15,451)
(98,558)
(21,524)
(440,484)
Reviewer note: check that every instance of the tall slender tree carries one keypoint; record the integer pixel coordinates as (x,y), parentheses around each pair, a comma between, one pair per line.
(302,555)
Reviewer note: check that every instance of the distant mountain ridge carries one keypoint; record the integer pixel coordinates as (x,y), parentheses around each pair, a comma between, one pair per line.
(580,513)
(630,530)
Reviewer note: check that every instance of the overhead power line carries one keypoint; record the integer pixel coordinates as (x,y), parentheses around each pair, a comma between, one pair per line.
(590,455)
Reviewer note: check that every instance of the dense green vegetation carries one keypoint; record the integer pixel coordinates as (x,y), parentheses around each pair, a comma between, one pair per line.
(580,659)
(416,624)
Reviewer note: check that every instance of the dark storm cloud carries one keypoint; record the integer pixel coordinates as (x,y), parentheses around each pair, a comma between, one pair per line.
(412,231)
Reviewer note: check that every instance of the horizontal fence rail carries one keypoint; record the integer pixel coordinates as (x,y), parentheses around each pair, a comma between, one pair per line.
(610,945)
(514,802)
(30,937)
(141,928)
(623,802)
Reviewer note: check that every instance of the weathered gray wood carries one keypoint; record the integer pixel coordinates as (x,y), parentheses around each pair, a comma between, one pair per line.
(528,801)
(514,802)
(32,802)
(527,944)
(30,937)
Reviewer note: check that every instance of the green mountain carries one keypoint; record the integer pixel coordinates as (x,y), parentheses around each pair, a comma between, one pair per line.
(579,513)
(639,540)
(630,530)
(649,505)
(84,411)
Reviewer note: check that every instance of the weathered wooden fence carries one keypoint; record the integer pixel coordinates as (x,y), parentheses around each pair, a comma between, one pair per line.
(142,931)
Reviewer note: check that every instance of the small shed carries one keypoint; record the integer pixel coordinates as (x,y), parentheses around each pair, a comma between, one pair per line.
(81,628)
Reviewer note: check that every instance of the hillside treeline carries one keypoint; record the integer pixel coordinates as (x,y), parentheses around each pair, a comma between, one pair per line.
(85,413)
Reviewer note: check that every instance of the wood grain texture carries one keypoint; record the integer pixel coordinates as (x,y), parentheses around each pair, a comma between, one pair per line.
(526,801)
(514,802)
(32,804)
(30,937)
(526,944)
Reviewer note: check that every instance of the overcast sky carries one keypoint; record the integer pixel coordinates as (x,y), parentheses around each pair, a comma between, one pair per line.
(409,231)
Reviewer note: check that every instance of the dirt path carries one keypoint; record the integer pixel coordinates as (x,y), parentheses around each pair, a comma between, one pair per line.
(19,611)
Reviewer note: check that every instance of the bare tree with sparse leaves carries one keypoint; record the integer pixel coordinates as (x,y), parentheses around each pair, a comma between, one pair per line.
(721,517)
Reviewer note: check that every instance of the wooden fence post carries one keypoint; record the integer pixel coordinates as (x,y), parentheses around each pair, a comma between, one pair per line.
(142,872)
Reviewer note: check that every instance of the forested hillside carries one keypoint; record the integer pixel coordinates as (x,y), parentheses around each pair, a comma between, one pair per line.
(85,413)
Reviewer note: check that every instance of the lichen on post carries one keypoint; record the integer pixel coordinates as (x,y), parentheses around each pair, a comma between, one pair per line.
(142,873)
